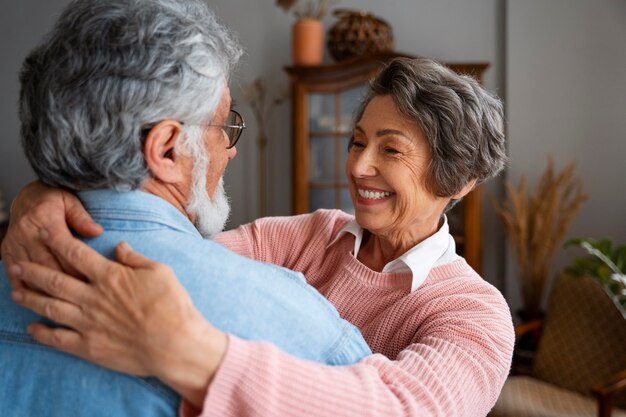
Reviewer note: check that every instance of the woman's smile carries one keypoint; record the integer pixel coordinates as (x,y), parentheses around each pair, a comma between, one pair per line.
(370,196)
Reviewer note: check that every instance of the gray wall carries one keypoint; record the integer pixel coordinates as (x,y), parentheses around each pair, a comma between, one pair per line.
(566,97)
(22,25)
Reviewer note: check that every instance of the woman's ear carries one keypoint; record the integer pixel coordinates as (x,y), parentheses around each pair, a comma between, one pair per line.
(160,152)
(466,189)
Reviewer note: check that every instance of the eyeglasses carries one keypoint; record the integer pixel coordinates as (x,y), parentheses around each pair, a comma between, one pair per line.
(234,127)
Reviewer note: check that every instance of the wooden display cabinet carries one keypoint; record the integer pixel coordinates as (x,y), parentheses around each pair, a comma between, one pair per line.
(324,99)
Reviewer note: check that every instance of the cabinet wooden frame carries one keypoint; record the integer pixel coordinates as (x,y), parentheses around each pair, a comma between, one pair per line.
(332,79)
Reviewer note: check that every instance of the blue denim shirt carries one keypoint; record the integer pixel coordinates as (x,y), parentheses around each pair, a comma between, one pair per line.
(249,299)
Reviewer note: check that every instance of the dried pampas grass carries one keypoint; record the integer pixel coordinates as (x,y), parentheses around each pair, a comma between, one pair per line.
(536,225)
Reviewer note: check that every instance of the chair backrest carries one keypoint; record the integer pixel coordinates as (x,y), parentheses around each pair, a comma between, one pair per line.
(584,337)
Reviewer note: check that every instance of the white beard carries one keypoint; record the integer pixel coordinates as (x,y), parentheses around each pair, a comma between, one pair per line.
(211,214)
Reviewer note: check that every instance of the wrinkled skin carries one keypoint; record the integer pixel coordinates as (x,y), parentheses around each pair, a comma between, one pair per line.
(40,211)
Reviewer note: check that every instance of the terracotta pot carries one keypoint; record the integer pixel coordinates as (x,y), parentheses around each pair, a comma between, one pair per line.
(307,42)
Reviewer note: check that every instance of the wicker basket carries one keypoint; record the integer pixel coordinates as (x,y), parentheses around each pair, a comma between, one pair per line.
(357,34)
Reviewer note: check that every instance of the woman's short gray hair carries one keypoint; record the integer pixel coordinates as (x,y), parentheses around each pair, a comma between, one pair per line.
(107,70)
(462,122)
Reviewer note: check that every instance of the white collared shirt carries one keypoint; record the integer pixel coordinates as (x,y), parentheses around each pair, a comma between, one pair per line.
(438,249)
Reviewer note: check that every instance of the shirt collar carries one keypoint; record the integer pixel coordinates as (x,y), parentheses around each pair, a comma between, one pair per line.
(438,249)
(135,205)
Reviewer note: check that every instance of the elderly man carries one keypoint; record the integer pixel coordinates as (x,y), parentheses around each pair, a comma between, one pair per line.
(127,102)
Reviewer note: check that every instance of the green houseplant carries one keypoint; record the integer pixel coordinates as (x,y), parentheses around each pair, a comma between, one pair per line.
(606,263)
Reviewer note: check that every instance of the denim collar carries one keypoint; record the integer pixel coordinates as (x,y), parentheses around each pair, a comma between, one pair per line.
(135,206)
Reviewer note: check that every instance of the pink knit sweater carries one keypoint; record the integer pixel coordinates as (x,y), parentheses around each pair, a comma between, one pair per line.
(443,350)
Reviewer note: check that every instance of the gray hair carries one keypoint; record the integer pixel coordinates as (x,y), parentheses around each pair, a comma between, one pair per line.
(463,123)
(108,69)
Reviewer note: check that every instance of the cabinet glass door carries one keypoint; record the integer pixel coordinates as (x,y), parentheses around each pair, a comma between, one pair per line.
(330,127)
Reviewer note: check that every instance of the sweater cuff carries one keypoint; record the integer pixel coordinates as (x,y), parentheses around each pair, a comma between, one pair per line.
(228,377)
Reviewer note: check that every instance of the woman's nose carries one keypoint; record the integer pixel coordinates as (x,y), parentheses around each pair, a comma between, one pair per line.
(363,164)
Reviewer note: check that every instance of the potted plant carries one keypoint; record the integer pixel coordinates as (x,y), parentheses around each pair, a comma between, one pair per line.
(607,264)
(308,32)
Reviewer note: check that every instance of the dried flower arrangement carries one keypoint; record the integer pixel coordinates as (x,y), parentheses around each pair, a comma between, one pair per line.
(536,224)
(311,9)
(262,103)
(263,106)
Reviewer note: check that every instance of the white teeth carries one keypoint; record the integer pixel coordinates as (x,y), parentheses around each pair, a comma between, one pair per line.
(373,195)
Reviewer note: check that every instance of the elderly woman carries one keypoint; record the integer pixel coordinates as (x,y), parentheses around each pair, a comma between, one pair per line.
(442,336)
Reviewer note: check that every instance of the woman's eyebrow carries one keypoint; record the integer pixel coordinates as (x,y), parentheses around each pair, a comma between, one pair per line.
(384,132)
(395,132)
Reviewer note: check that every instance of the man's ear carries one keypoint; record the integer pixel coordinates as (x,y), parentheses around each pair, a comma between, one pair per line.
(160,152)
(466,189)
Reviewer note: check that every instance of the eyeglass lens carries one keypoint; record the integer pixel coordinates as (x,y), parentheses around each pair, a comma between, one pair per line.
(236,124)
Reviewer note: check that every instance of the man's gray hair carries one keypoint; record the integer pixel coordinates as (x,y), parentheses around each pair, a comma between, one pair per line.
(108,70)
(462,122)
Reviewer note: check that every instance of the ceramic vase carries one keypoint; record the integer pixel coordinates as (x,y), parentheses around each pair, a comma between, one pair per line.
(307,42)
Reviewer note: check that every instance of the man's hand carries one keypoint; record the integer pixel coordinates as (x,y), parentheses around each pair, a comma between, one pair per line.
(37,211)
(133,316)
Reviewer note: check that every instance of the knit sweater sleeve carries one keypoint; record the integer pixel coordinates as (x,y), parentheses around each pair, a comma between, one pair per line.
(455,365)
(238,240)
(285,241)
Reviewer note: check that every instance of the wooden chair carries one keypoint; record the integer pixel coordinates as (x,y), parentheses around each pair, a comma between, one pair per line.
(581,354)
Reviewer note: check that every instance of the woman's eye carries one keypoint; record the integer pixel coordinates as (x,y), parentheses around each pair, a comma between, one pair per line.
(391,151)
(356,144)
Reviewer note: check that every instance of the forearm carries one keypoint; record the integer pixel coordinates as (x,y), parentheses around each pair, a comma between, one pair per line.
(238,241)
(438,379)
(191,370)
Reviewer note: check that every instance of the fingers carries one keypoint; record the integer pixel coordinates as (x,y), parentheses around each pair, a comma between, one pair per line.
(35,207)
(23,243)
(83,259)
(53,309)
(127,256)
(78,218)
(12,253)
(51,282)
(66,340)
